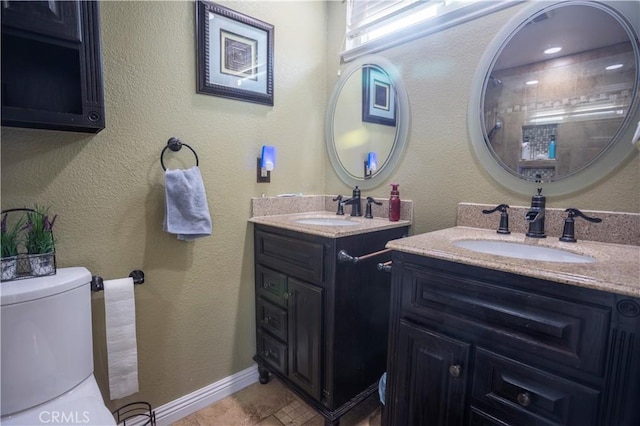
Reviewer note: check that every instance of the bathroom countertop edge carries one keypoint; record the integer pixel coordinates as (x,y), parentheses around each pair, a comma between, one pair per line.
(616,269)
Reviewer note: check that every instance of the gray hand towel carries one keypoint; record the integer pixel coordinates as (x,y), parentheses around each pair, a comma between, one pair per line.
(186,207)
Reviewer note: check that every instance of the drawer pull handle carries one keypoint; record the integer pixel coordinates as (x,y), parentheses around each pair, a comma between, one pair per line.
(524,399)
(455,370)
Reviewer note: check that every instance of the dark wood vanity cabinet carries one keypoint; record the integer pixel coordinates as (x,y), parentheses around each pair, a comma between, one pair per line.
(52,65)
(471,346)
(322,325)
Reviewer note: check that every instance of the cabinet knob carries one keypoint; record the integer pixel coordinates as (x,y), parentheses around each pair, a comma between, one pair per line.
(524,399)
(265,320)
(285,295)
(265,285)
(455,370)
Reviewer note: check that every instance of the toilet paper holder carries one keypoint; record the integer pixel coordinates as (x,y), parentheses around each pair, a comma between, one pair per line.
(97,283)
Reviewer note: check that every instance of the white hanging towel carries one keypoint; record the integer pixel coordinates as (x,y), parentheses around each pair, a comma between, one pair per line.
(186,207)
(122,347)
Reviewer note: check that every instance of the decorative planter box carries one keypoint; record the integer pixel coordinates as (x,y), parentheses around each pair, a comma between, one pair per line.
(26,265)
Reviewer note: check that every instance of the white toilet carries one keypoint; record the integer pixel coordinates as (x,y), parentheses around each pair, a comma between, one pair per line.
(47,352)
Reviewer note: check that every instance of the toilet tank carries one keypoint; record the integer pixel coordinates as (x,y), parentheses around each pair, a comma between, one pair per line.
(46,346)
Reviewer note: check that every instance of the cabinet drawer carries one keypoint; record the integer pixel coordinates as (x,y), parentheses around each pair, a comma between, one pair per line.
(295,257)
(272,352)
(522,395)
(272,319)
(517,321)
(271,285)
(478,418)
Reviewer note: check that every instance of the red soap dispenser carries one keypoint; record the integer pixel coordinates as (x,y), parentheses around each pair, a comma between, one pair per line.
(394,203)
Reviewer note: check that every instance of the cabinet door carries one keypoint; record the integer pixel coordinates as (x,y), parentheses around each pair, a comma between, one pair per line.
(430,388)
(53,18)
(305,334)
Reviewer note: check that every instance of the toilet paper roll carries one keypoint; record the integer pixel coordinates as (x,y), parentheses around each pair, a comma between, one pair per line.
(122,347)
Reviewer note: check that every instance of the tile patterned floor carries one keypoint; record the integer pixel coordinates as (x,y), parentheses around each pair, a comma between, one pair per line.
(275,405)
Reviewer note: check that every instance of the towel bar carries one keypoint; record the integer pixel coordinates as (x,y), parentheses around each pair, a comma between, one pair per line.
(97,283)
(343,256)
(385,267)
(174,144)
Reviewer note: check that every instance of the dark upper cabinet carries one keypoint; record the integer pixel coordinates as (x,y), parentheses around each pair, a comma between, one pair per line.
(52,66)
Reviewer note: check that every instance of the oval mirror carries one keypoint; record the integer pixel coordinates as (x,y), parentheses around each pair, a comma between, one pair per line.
(368,114)
(556,94)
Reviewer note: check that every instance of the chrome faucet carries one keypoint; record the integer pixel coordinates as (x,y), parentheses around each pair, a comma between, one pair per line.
(535,216)
(355,202)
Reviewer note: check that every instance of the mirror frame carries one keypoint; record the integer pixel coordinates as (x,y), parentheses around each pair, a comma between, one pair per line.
(402,124)
(620,147)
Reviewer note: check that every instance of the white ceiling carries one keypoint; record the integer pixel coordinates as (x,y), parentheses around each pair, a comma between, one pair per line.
(576,28)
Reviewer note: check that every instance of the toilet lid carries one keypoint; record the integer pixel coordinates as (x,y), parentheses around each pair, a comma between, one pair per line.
(35,288)
(81,406)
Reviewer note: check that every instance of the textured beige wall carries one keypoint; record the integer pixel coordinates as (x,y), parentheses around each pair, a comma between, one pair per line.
(195,312)
(439,169)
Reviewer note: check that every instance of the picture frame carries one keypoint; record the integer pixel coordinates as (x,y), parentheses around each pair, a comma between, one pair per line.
(234,54)
(378,97)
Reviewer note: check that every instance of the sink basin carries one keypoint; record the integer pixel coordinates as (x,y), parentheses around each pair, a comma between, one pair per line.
(523,251)
(325,221)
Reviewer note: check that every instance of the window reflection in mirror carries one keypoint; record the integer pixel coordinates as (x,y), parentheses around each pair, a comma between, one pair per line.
(577,95)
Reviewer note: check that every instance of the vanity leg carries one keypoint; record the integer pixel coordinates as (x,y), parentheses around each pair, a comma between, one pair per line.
(264,375)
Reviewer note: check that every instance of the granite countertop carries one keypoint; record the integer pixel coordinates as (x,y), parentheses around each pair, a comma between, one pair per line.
(616,269)
(362,224)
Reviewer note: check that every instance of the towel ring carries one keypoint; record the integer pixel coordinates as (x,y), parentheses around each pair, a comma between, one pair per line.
(174,144)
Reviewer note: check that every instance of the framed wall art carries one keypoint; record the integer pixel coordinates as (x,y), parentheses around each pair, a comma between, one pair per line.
(234,54)
(378,97)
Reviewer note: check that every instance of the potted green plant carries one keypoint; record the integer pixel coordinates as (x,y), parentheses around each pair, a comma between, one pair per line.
(10,243)
(39,241)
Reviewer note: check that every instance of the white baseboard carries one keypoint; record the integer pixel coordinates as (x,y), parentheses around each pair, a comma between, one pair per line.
(177,409)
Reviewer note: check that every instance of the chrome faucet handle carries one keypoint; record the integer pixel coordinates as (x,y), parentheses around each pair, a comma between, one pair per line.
(568,231)
(340,205)
(504,218)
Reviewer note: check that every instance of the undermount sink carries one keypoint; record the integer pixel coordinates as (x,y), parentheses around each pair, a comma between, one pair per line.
(325,221)
(523,251)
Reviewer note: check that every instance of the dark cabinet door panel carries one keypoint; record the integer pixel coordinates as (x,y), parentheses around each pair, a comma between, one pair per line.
(50,18)
(528,396)
(431,386)
(305,323)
